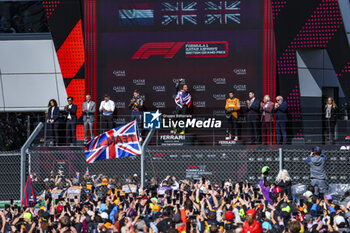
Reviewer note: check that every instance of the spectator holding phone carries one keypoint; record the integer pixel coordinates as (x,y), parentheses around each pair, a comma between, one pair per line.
(317,161)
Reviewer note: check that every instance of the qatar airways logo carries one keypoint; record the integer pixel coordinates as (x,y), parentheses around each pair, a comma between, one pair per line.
(193,49)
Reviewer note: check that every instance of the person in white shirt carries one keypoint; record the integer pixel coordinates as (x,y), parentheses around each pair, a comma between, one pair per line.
(107,107)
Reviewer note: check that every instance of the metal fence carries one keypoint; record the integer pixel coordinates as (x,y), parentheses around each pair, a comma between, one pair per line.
(14,130)
(10,175)
(215,163)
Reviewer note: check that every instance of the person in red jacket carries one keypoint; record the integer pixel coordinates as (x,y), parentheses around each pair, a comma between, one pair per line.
(251,225)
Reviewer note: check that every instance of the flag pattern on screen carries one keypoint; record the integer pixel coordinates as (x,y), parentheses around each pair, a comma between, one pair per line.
(183,97)
(136,14)
(179,13)
(116,143)
(222,12)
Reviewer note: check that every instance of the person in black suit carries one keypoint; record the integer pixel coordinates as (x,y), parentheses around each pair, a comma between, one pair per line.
(281,112)
(52,122)
(253,107)
(330,119)
(71,121)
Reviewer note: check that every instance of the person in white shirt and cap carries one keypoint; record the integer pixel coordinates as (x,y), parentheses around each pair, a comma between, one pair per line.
(107,107)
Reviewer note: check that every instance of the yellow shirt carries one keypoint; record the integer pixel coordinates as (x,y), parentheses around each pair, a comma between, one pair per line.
(234,104)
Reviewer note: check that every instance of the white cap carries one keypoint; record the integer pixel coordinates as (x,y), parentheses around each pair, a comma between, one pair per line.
(307,194)
(339,219)
(104,215)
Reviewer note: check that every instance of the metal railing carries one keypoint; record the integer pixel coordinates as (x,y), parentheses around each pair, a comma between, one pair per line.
(213,162)
(312,129)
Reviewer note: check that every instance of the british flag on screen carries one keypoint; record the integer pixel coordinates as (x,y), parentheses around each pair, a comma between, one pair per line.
(222,12)
(115,143)
(179,13)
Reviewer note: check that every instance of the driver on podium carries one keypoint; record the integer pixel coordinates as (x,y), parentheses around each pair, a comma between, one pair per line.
(231,108)
(183,101)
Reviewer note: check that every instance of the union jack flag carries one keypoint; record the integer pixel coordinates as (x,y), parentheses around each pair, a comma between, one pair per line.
(179,13)
(115,143)
(222,12)
(183,97)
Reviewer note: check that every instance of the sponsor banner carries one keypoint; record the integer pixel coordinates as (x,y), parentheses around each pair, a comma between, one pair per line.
(206,49)
(242,87)
(175,139)
(198,87)
(159,88)
(199,104)
(119,89)
(129,188)
(119,73)
(197,171)
(240,71)
(73,192)
(219,81)
(57,193)
(139,82)
(120,121)
(120,104)
(219,96)
(159,104)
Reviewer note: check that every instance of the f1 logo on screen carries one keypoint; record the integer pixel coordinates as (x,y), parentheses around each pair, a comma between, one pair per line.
(193,49)
(151,120)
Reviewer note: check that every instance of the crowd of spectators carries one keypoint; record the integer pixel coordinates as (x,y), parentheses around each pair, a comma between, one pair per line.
(13,131)
(113,204)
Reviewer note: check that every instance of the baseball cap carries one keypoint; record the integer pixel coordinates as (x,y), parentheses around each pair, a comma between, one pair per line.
(278,190)
(307,217)
(45,216)
(265,169)
(317,150)
(251,212)
(266,226)
(339,220)
(27,215)
(59,208)
(285,207)
(104,215)
(229,215)
(153,199)
(307,194)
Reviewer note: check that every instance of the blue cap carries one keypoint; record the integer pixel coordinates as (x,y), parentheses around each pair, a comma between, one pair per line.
(266,226)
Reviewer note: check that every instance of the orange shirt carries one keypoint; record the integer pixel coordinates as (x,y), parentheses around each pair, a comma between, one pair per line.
(234,104)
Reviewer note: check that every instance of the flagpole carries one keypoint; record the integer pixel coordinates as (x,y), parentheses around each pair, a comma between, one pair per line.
(143,156)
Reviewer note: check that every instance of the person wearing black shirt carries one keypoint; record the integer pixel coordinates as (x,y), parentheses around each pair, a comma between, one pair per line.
(52,122)
(71,121)
(253,107)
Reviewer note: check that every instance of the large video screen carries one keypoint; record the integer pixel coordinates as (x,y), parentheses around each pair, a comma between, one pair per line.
(215,46)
